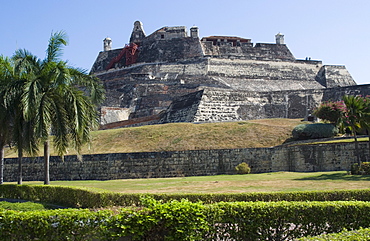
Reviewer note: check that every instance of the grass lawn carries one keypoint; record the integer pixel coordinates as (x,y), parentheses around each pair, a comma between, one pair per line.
(187,136)
(264,182)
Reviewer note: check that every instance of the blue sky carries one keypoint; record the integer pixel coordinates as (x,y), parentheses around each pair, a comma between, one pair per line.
(334,31)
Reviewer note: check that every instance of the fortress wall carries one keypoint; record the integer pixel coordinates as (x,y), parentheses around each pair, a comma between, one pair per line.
(336,75)
(170,50)
(304,158)
(218,105)
(183,109)
(260,51)
(269,70)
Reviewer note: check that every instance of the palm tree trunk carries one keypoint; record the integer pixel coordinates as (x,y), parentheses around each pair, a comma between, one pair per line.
(2,165)
(46,163)
(368,134)
(20,156)
(357,149)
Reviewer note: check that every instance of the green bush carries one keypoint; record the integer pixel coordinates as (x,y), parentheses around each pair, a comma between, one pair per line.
(85,198)
(184,220)
(363,169)
(314,131)
(71,224)
(243,168)
(285,220)
(330,111)
(174,220)
(362,234)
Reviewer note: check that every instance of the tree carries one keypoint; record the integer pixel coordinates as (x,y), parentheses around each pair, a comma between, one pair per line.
(5,74)
(353,117)
(365,118)
(60,99)
(14,128)
(330,111)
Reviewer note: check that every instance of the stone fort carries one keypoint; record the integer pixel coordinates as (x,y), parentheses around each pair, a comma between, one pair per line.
(173,75)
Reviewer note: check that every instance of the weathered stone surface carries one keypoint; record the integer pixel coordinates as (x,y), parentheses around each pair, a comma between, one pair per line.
(171,64)
(303,158)
(219,105)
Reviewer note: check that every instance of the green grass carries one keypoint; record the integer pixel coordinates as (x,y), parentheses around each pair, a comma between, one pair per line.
(350,140)
(189,136)
(23,206)
(264,182)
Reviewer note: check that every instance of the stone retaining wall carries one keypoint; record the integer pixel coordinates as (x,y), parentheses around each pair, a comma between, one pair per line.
(303,158)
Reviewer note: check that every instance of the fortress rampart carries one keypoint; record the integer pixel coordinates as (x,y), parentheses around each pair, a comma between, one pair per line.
(303,158)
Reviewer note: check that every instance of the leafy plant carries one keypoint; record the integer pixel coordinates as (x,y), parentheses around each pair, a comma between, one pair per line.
(362,169)
(243,168)
(330,111)
(361,234)
(314,131)
(174,220)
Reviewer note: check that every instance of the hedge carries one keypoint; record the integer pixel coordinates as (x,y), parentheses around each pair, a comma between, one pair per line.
(62,224)
(185,220)
(362,234)
(91,198)
(314,131)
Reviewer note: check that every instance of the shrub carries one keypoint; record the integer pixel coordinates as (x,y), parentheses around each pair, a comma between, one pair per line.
(243,168)
(363,169)
(77,197)
(314,131)
(184,220)
(361,234)
(330,111)
(174,220)
(62,224)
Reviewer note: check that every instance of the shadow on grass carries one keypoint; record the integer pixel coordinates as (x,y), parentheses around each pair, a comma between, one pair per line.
(337,177)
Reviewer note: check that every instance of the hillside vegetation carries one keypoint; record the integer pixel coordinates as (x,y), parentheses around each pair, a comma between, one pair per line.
(189,136)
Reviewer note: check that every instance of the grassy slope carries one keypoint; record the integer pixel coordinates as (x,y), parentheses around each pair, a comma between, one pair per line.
(188,136)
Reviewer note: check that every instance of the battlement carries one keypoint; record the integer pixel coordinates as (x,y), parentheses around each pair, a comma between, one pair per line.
(171,44)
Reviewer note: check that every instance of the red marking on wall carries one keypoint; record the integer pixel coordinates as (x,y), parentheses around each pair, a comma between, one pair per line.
(130,51)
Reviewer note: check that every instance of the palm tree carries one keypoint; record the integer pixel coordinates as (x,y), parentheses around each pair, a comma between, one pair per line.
(59,98)
(365,118)
(5,73)
(14,128)
(353,117)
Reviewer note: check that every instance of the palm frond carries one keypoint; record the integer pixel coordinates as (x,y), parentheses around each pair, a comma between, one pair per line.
(56,43)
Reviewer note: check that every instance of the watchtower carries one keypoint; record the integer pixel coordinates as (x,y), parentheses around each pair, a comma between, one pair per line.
(194,32)
(107,42)
(279,38)
(138,33)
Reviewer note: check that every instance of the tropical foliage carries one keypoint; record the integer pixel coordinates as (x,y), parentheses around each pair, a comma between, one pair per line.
(330,111)
(351,114)
(46,99)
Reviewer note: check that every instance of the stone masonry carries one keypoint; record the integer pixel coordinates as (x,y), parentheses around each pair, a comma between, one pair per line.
(168,65)
(302,158)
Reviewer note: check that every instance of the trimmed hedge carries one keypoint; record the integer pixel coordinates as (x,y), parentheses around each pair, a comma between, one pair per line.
(184,220)
(314,131)
(62,224)
(362,234)
(92,198)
